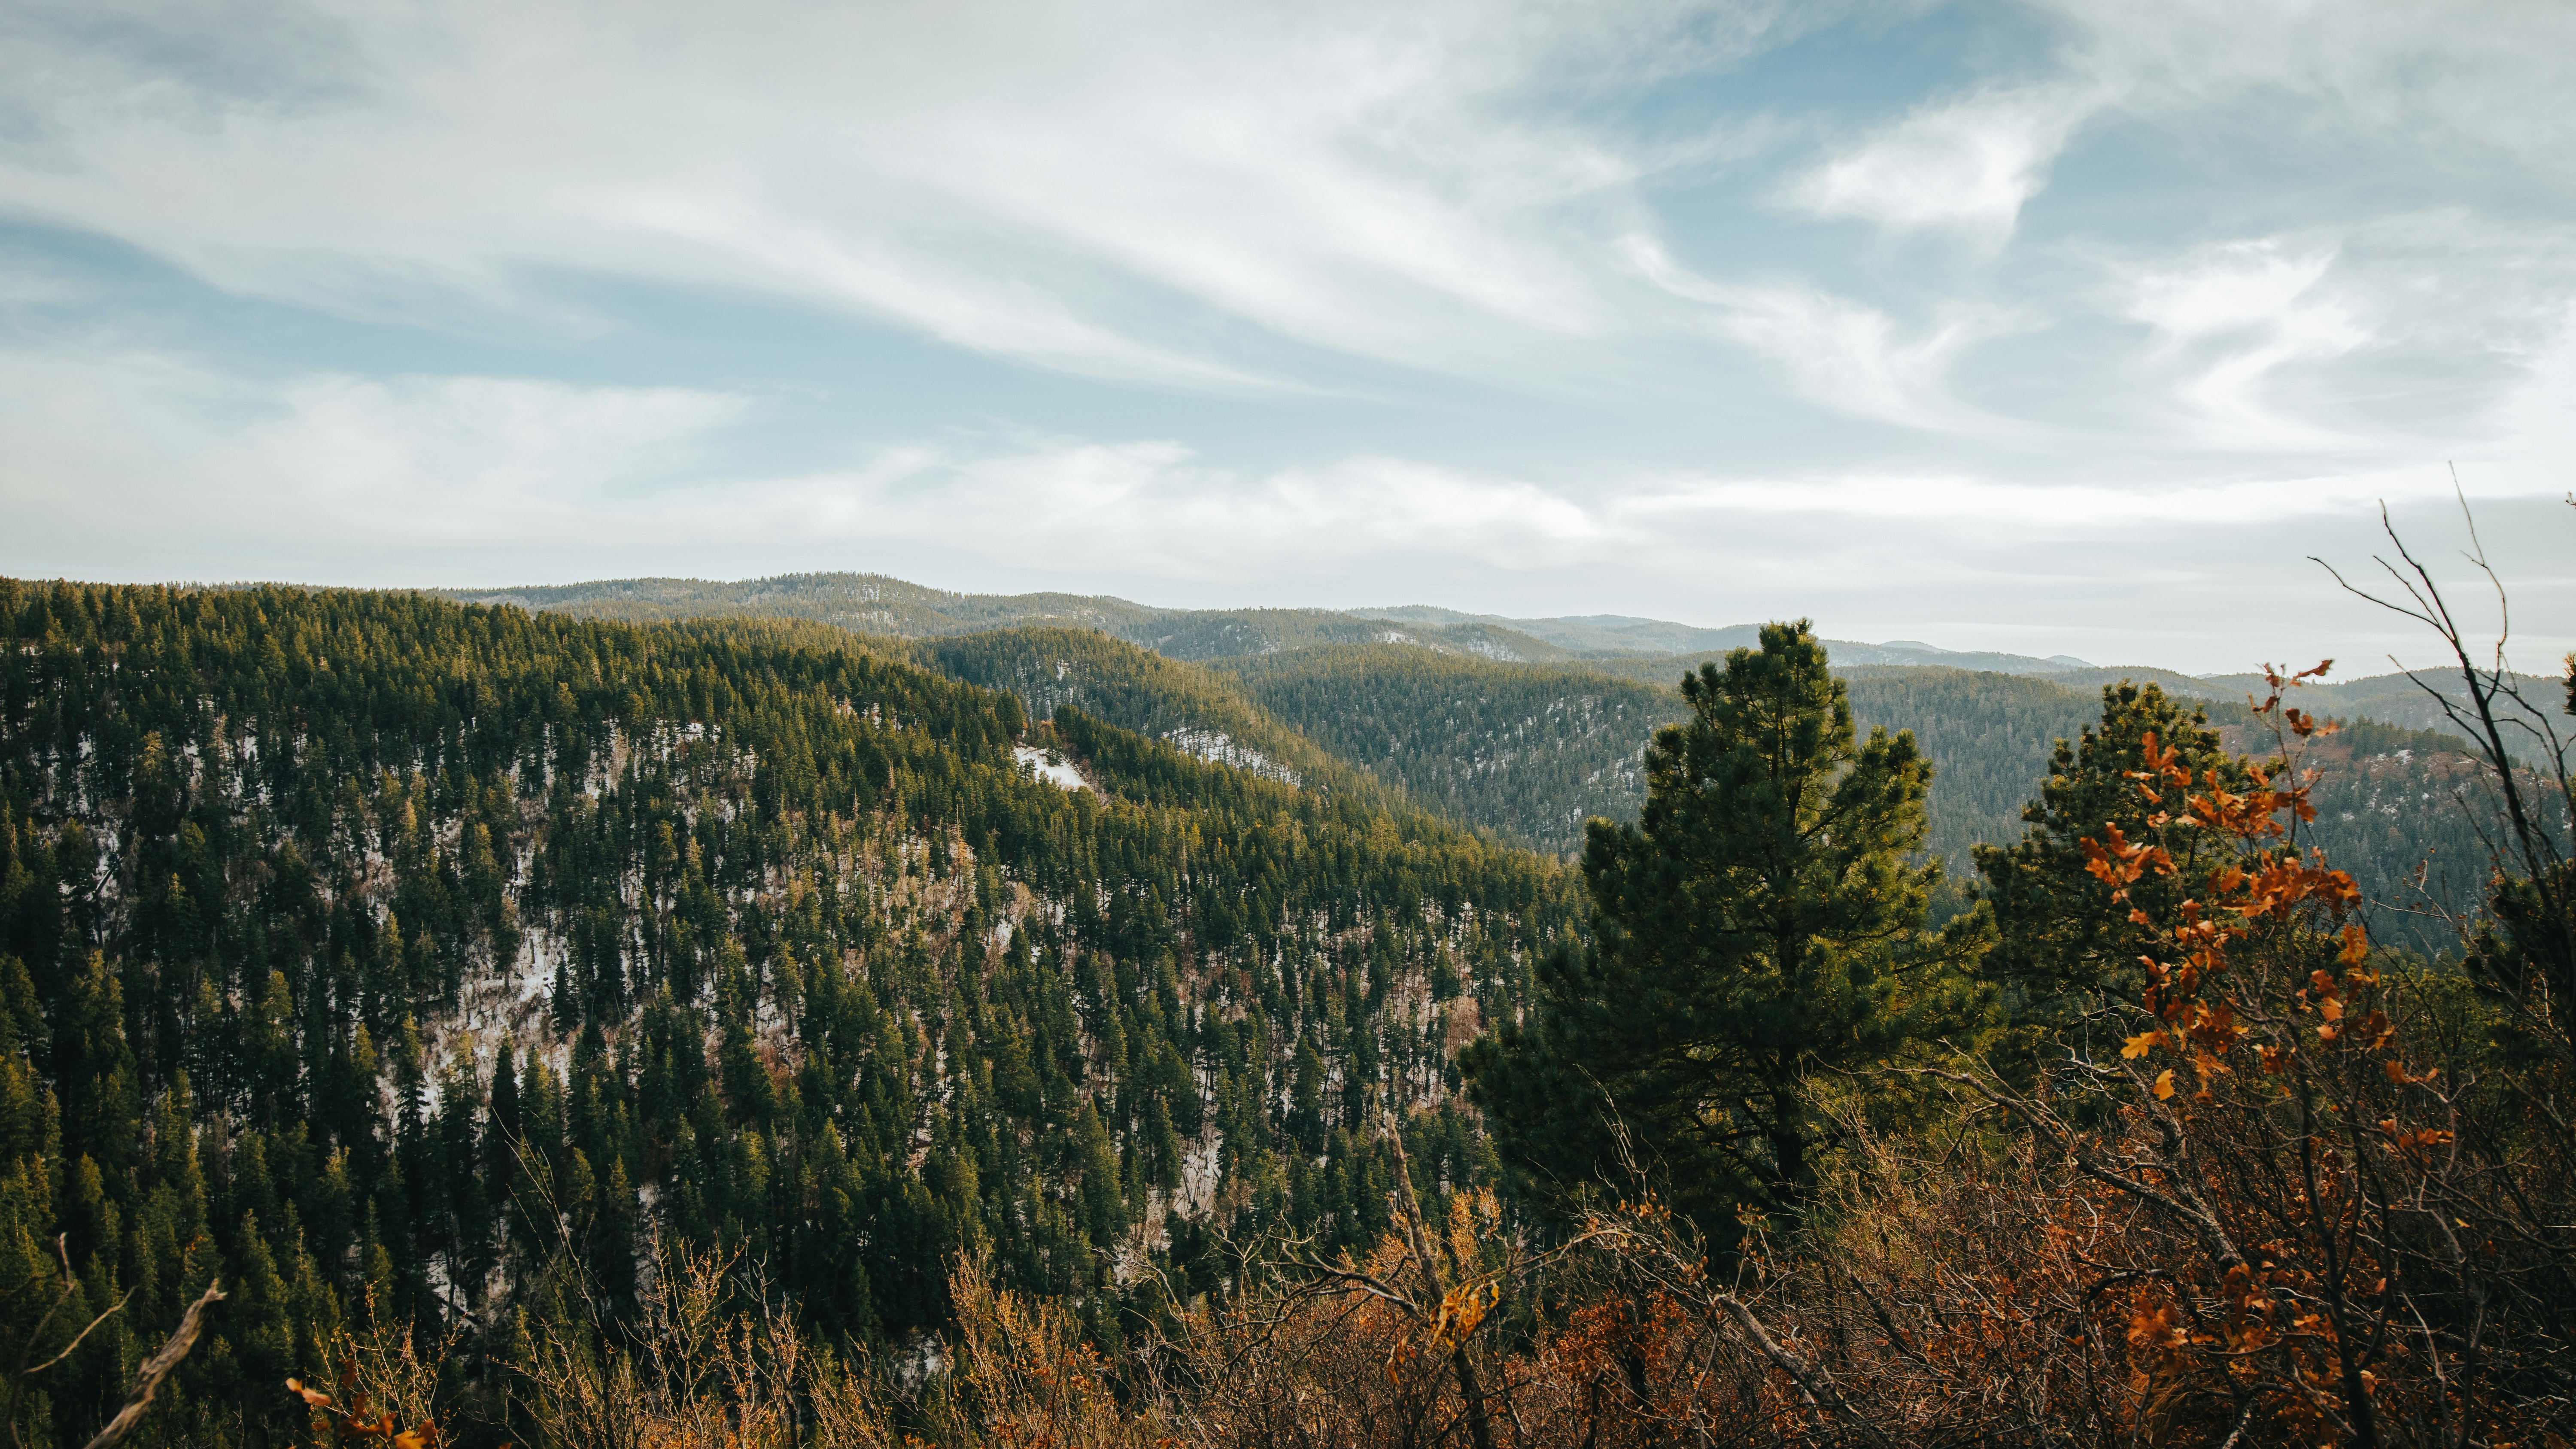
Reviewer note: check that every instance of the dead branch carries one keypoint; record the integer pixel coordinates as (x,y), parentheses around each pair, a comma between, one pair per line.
(157,1369)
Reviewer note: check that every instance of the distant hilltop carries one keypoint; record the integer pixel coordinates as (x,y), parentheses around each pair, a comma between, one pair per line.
(1617,635)
(1654,652)
(877,604)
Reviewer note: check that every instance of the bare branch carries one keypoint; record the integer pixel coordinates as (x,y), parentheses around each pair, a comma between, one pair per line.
(77,1338)
(157,1369)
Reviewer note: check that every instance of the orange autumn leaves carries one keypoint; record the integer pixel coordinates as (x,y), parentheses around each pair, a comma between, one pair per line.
(2235,899)
(2259,954)
(347,1421)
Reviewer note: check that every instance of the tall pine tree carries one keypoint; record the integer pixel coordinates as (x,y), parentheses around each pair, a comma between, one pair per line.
(1760,927)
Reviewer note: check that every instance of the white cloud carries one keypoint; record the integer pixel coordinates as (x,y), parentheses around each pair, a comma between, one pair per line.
(1839,353)
(2229,288)
(2394,337)
(2236,315)
(439,465)
(1428,186)
(147,456)
(1568,200)
(109,450)
(1966,166)
(1025,180)
(1853,358)
(2428,78)
(2020,509)
(2458,89)
(1159,510)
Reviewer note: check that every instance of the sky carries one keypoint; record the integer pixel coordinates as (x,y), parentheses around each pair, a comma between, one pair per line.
(2063,327)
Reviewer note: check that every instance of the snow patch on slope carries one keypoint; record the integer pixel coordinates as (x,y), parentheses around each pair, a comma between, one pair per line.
(1218,748)
(1060,773)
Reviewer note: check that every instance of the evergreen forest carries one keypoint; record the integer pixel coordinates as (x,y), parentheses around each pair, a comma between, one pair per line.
(624,1026)
(373,952)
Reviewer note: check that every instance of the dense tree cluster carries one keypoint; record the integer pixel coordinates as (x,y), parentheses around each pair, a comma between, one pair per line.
(1527,749)
(379,954)
(891,608)
(1196,710)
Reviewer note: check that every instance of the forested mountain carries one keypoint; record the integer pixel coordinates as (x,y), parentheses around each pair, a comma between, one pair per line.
(876,605)
(1196,710)
(866,603)
(2411,702)
(1988,737)
(1591,634)
(1657,645)
(392,959)
(400,961)
(2391,801)
(2397,699)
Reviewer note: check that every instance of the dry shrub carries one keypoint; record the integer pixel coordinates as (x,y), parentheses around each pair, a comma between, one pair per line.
(1320,1363)
(1024,1376)
(385,1380)
(710,1360)
(1434,1338)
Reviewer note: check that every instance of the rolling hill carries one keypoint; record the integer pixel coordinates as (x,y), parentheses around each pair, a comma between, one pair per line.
(876,604)
(1532,751)
(1526,727)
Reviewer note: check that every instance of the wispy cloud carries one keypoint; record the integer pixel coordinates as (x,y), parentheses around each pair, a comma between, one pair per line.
(2394,336)
(2459,95)
(333,478)
(1964,166)
(1838,353)
(2417,77)
(2236,315)
(1020,180)
(443,465)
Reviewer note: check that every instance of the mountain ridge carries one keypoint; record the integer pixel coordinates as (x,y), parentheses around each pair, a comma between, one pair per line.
(881,604)
(1628,635)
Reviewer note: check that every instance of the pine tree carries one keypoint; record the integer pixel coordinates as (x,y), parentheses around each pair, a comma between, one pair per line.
(2060,944)
(1760,926)
(94,1070)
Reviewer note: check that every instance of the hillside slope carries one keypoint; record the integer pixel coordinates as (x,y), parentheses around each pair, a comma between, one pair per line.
(385,955)
(1529,750)
(1194,709)
(2394,699)
(1533,756)
(1534,750)
(1660,644)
